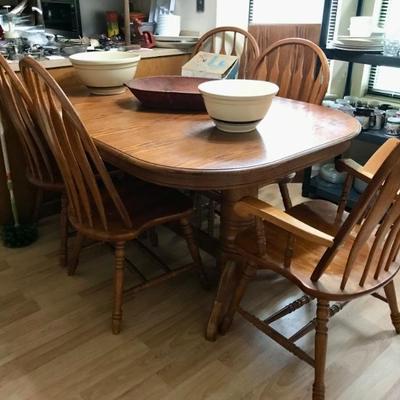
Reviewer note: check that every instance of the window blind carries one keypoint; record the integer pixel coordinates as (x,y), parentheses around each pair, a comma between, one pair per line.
(251,11)
(384,80)
(332,21)
(288,12)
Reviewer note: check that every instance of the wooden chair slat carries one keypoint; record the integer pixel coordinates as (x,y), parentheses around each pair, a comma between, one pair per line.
(17,102)
(385,227)
(385,261)
(297,80)
(274,75)
(393,252)
(285,84)
(234,51)
(223,42)
(385,199)
(295,51)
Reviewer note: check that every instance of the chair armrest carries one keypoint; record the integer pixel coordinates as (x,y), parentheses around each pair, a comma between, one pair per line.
(353,168)
(253,206)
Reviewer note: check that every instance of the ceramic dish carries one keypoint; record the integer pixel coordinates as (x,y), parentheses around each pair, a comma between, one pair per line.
(237,105)
(105,72)
(169,92)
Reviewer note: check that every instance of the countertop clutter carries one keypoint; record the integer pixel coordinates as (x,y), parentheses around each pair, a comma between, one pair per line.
(60,61)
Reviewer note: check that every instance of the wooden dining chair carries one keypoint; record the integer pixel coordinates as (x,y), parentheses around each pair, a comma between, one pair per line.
(41,168)
(230,40)
(97,208)
(301,70)
(333,258)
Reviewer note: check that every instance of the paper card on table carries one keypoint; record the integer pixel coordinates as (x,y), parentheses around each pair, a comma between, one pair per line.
(211,65)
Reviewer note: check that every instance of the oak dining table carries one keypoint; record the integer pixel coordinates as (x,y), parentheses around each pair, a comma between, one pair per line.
(184,150)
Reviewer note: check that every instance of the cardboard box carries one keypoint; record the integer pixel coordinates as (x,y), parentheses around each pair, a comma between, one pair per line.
(211,65)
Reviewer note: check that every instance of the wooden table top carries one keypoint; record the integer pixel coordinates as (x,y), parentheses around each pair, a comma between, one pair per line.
(186,150)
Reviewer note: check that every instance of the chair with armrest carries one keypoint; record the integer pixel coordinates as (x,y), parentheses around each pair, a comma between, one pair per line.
(331,255)
(97,208)
(301,70)
(41,168)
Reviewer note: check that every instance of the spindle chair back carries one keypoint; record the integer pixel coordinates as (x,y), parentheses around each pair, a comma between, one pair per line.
(298,66)
(81,166)
(230,40)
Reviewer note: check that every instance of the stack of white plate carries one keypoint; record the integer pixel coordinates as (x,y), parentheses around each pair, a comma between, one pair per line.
(169,24)
(363,44)
(176,42)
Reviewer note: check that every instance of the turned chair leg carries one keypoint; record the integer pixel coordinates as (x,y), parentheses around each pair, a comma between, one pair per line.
(187,232)
(248,272)
(73,264)
(283,188)
(64,231)
(118,286)
(390,292)
(38,204)
(321,342)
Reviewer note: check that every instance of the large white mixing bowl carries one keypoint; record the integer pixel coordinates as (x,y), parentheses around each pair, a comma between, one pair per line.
(237,105)
(105,72)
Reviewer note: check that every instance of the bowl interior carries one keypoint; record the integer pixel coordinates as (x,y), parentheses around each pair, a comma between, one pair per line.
(170,84)
(238,88)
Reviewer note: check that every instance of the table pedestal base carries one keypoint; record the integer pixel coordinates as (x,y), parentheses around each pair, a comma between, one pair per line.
(231,224)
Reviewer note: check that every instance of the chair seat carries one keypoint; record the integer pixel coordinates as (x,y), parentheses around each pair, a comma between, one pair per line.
(147,205)
(306,255)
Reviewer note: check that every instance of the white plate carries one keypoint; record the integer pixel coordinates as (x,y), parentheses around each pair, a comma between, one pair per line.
(370,48)
(176,38)
(365,50)
(357,44)
(175,45)
(351,39)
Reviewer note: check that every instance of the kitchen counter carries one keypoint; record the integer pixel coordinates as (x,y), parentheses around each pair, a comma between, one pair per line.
(61,62)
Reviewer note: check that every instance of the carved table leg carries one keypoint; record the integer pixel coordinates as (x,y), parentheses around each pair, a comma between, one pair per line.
(231,224)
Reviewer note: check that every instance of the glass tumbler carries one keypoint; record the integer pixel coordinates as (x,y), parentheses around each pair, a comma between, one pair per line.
(391,47)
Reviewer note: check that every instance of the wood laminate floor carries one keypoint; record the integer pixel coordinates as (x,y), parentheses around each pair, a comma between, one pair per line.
(56,344)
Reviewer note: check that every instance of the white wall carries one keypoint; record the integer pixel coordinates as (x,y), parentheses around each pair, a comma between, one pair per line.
(216,13)
(233,13)
(192,20)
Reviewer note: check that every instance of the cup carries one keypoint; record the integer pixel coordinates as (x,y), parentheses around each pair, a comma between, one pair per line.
(169,25)
(351,99)
(361,26)
(391,47)
(392,126)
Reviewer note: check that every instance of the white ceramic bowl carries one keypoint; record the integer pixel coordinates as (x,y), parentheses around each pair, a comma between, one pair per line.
(105,72)
(237,105)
